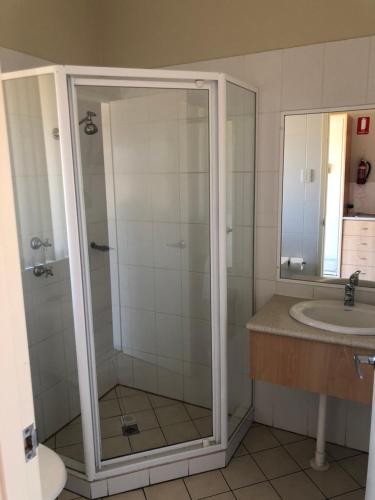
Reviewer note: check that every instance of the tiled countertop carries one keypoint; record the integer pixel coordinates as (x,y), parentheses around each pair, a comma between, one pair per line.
(274,318)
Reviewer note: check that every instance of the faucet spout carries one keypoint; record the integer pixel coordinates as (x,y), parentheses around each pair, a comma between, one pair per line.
(350,289)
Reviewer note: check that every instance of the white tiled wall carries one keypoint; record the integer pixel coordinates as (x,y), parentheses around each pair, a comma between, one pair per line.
(50,332)
(312,77)
(160,169)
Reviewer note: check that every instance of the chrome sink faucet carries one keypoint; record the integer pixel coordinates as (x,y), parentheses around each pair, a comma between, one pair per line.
(350,289)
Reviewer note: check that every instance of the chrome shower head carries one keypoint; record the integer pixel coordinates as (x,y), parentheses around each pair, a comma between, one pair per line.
(90,127)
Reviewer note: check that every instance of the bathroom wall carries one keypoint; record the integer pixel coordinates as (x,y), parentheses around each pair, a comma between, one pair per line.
(159,166)
(310,77)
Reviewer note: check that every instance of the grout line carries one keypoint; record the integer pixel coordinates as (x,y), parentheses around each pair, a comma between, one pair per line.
(348,473)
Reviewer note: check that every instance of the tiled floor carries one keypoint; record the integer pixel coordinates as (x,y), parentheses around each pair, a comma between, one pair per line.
(161,422)
(270,464)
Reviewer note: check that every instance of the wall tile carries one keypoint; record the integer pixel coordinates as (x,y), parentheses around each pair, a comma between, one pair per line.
(264,70)
(342,60)
(302,77)
(269,128)
(169,471)
(264,289)
(168,298)
(266,253)
(267,199)
(128,482)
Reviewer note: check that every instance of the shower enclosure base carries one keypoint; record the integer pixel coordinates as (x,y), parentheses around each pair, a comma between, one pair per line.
(161,421)
(170,467)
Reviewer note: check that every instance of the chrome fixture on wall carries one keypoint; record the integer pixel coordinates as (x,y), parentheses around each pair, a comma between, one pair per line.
(90,127)
(37,243)
(42,270)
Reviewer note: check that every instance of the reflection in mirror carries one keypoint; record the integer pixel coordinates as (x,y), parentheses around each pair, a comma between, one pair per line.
(328,209)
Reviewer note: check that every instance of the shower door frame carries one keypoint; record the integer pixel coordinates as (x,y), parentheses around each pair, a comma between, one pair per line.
(218,410)
(65,76)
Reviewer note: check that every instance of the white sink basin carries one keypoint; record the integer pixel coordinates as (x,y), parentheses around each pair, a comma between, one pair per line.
(333,316)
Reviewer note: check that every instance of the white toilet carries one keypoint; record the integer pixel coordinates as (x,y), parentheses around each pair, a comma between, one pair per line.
(53,474)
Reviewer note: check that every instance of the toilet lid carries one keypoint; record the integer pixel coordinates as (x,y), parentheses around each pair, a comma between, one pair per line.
(52,473)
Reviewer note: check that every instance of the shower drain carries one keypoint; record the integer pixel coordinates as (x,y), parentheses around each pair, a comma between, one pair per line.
(129,425)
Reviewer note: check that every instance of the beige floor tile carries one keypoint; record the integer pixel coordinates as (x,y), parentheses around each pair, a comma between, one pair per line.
(168,415)
(204,426)
(158,401)
(171,490)
(338,452)
(285,437)
(297,486)
(222,496)
(145,420)
(241,450)
(242,471)
(259,438)
(197,411)
(335,481)
(261,491)
(206,485)
(275,462)
(303,451)
(131,404)
(354,495)
(72,434)
(74,451)
(180,432)
(67,495)
(356,467)
(130,495)
(147,440)
(123,391)
(109,395)
(115,447)
(110,408)
(110,427)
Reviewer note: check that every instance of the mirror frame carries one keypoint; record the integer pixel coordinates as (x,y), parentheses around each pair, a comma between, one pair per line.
(319,281)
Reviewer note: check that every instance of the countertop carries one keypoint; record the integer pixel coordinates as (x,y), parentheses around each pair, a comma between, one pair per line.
(360,217)
(274,318)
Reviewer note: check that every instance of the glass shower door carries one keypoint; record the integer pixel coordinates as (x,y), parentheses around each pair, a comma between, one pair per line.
(240,167)
(144,170)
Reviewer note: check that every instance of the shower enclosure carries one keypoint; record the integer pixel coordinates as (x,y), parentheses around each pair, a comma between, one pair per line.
(135,207)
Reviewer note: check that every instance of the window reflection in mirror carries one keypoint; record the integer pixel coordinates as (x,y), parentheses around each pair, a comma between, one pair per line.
(328,209)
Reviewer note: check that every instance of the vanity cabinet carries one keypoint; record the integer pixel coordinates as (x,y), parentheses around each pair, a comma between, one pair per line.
(309,365)
(286,352)
(358,248)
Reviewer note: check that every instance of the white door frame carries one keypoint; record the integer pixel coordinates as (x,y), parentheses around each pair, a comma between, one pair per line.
(18,479)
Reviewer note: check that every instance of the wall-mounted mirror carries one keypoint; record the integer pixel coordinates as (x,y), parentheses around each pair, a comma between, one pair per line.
(328,198)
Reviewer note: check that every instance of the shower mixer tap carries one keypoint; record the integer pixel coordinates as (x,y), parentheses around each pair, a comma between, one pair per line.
(37,243)
(42,270)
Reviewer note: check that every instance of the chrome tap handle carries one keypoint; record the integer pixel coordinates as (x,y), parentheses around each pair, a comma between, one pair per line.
(360,360)
(354,278)
(42,270)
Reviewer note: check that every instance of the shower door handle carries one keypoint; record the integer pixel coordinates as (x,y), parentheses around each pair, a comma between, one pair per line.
(100,248)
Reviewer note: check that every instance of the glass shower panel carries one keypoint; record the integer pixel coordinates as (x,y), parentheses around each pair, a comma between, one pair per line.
(240,163)
(146,184)
(38,186)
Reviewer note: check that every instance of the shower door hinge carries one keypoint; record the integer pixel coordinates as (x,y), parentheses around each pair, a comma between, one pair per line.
(30,441)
